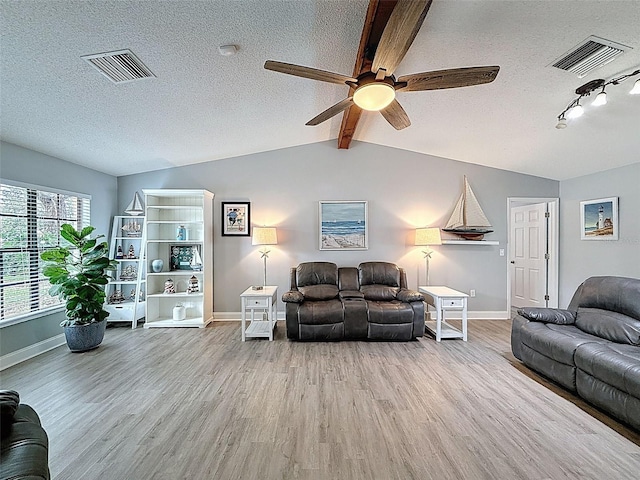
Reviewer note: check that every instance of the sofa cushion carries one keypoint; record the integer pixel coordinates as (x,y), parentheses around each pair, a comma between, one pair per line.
(558,342)
(388,312)
(321,313)
(613,326)
(379,293)
(612,363)
(382,273)
(548,315)
(319,292)
(616,294)
(316,273)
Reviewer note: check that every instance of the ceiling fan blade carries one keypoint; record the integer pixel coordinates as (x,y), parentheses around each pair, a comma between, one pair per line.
(308,72)
(331,111)
(452,78)
(404,23)
(396,116)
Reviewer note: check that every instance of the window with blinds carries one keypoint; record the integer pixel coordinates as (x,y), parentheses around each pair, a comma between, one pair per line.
(30,219)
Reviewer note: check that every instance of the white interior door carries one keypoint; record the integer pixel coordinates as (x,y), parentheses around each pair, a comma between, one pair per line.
(528,255)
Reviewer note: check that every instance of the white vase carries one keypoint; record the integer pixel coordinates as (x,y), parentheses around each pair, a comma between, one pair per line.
(157,265)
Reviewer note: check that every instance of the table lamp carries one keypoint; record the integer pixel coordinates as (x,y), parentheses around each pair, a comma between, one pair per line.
(264,236)
(428,236)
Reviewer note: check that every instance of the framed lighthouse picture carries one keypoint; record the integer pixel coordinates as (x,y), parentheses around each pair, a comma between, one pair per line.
(599,219)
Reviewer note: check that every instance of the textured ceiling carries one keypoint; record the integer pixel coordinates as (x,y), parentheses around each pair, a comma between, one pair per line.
(203,106)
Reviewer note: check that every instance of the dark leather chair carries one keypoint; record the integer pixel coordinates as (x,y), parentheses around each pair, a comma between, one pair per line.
(24,443)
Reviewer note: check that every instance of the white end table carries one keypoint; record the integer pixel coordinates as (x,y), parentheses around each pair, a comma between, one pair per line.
(445,298)
(264,299)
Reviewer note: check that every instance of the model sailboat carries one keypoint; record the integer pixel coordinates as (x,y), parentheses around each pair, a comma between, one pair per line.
(135,207)
(468,220)
(196,260)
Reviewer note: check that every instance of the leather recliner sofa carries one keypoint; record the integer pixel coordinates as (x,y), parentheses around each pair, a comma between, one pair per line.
(368,302)
(592,348)
(24,443)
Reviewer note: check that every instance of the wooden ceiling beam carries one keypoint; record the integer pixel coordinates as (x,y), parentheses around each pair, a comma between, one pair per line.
(375,20)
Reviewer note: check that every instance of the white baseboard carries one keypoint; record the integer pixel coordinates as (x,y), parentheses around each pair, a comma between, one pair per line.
(454,315)
(237,316)
(31,351)
(474,315)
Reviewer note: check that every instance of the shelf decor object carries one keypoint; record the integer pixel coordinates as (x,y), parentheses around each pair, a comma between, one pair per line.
(127,235)
(427,237)
(135,207)
(265,236)
(179,226)
(236,219)
(468,220)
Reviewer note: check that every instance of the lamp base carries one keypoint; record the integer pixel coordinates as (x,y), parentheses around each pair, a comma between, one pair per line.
(257,287)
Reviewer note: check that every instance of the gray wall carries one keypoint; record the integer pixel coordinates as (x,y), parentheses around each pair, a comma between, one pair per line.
(404,189)
(24,165)
(580,259)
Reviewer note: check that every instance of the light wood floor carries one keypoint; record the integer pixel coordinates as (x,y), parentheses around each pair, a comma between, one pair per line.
(200,404)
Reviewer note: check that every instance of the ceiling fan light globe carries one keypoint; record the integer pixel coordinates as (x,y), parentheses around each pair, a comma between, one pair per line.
(575,112)
(601,99)
(374,96)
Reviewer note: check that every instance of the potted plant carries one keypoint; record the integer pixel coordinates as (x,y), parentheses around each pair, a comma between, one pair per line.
(78,275)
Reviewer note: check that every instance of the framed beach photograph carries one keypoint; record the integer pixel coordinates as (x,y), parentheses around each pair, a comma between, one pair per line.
(236,219)
(599,219)
(343,225)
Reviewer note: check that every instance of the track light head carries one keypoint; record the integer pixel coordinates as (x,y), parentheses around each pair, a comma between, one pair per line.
(601,99)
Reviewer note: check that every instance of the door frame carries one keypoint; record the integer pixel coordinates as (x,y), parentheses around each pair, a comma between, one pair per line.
(553,243)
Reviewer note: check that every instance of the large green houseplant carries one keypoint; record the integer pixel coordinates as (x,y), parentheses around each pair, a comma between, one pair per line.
(78,275)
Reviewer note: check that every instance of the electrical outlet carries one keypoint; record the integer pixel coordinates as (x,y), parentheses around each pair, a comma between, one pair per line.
(502,252)
(472,293)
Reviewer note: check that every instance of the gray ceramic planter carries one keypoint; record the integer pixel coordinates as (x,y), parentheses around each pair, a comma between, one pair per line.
(81,338)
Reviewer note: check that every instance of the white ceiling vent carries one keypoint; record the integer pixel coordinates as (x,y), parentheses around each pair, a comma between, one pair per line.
(120,66)
(593,53)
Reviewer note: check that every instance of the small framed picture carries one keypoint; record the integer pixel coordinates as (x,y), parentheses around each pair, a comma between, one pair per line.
(236,219)
(599,219)
(343,225)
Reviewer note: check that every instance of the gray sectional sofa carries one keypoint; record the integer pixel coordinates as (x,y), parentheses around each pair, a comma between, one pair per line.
(369,302)
(591,348)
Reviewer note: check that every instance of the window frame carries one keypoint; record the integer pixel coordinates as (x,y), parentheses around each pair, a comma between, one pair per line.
(33,250)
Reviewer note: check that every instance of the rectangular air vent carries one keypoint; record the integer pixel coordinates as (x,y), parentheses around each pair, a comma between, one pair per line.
(120,66)
(593,53)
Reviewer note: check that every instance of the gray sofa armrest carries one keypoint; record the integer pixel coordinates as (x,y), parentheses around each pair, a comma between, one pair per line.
(548,315)
(292,296)
(407,296)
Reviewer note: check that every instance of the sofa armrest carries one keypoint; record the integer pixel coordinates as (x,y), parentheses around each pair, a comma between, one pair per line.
(345,294)
(407,296)
(548,315)
(293,296)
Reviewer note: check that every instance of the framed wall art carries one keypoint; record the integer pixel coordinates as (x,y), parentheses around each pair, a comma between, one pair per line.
(599,219)
(343,225)
(236,219)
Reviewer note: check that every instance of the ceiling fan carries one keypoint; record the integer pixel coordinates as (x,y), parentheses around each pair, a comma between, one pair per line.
(375,88)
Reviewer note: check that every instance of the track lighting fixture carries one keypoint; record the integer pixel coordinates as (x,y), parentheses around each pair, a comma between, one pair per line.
(575,110)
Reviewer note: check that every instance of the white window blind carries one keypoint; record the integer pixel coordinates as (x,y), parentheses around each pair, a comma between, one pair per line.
(30,219)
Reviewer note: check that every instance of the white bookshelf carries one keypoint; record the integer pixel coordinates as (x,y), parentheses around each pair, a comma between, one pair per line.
(131,307)
(166,211)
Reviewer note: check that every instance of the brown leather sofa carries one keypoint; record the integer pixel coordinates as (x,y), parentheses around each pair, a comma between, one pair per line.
(369,302)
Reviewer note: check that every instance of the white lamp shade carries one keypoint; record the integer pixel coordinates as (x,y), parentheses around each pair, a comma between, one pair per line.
(428,236)
(264,236)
